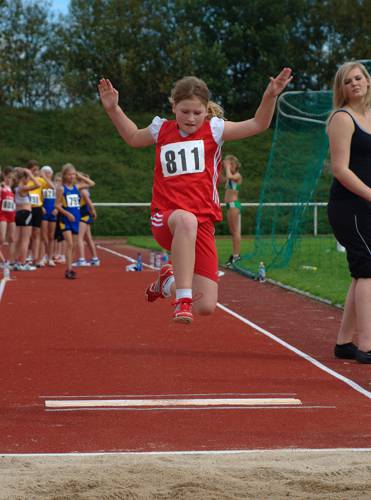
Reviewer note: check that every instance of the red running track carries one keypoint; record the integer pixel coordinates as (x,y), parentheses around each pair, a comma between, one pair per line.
(97,337)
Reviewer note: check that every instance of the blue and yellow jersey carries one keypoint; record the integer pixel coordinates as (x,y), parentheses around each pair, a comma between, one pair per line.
(49,199)
(71,201)
(84,210)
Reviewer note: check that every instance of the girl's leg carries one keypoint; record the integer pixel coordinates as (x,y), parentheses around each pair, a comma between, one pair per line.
(44,246)
(36,238)
(89,240)
(362,294)
(233,218)
(69,242)
(183,226)
(51,241)
(24,242)
(205,293)
(80,240)
(348,321)
(12,241)
(3,228)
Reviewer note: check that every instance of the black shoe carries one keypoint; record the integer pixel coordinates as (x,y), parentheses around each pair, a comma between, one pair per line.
(346,351)
(363,356)
(70,275)
(229,262)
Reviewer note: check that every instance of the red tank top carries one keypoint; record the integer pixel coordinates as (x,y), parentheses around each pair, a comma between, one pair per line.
(7,204)
(187,171)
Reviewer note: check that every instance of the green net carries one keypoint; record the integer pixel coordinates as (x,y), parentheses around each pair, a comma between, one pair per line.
(293,237)
(297,176)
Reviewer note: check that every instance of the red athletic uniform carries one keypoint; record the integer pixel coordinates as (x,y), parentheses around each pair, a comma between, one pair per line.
(7,204)
(186,175)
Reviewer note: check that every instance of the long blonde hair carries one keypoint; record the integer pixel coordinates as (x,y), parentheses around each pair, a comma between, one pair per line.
(338,97)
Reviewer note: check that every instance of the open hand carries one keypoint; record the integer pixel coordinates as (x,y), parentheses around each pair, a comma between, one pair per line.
(108,94)
(70,217)
(277,84)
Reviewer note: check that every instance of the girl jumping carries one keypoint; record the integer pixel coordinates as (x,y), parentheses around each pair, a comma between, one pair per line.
(185,202)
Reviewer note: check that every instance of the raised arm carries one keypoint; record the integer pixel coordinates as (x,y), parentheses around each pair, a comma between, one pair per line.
(340,131)
(233,177)
(137,138)
(35,183)
(48,181)
(264,113)
(83,181)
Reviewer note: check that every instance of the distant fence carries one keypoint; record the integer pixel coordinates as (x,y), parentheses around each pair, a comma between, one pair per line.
(314,205)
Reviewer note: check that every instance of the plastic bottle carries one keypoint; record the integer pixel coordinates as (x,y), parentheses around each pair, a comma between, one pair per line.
(158,260)
(152,258)
(6,271)
(139,262)
(164,258)
(261,272)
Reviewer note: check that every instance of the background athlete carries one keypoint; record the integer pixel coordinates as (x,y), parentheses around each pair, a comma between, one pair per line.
(233,181)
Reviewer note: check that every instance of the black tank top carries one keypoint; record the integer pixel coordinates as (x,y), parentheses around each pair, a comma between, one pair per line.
(359,162)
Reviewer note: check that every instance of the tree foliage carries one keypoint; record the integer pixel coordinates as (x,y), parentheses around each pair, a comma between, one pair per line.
(143,46)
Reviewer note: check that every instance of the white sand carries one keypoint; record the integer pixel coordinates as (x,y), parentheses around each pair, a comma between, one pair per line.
(258,475)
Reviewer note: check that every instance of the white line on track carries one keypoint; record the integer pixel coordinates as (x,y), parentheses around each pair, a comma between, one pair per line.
(288,346)
(2,287)
(186,452)
(201,408)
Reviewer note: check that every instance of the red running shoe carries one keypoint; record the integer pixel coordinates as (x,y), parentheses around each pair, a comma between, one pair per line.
(155,290)
(183,311)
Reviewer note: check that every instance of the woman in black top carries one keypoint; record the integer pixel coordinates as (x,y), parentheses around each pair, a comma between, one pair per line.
(349,208)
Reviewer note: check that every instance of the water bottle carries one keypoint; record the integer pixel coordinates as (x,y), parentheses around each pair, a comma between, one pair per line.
(152,258)
(261,272)
(164,258)
(158,261)
(6,271)
(139,262)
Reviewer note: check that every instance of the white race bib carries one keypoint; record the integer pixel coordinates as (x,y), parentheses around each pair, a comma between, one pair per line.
(181,158)
(8,205)
(35,199)
(73,201)
(49,194)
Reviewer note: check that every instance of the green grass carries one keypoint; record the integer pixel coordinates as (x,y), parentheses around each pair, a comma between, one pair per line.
(329,281)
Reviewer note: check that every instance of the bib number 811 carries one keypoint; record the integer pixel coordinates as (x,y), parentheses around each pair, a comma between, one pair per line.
(182,158)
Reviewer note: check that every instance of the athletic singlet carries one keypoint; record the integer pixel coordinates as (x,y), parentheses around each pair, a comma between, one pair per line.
(187,169)
(21,199)
(230,184)
(71,201)
(7,203)
(49,199)
(36,195)
(359,161)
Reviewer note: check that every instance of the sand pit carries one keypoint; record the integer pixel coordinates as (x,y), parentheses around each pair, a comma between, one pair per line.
(255,475)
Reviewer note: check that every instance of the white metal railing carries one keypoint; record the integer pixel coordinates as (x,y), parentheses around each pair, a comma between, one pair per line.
(314,204)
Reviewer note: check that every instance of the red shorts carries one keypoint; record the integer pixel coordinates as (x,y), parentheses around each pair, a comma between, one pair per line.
(7,217)
(206,261)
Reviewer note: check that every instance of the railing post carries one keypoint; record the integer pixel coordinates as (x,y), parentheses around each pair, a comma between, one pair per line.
(315,219)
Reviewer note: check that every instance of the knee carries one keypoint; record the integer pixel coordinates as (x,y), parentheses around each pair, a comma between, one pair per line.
(186,222)
(205,308)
